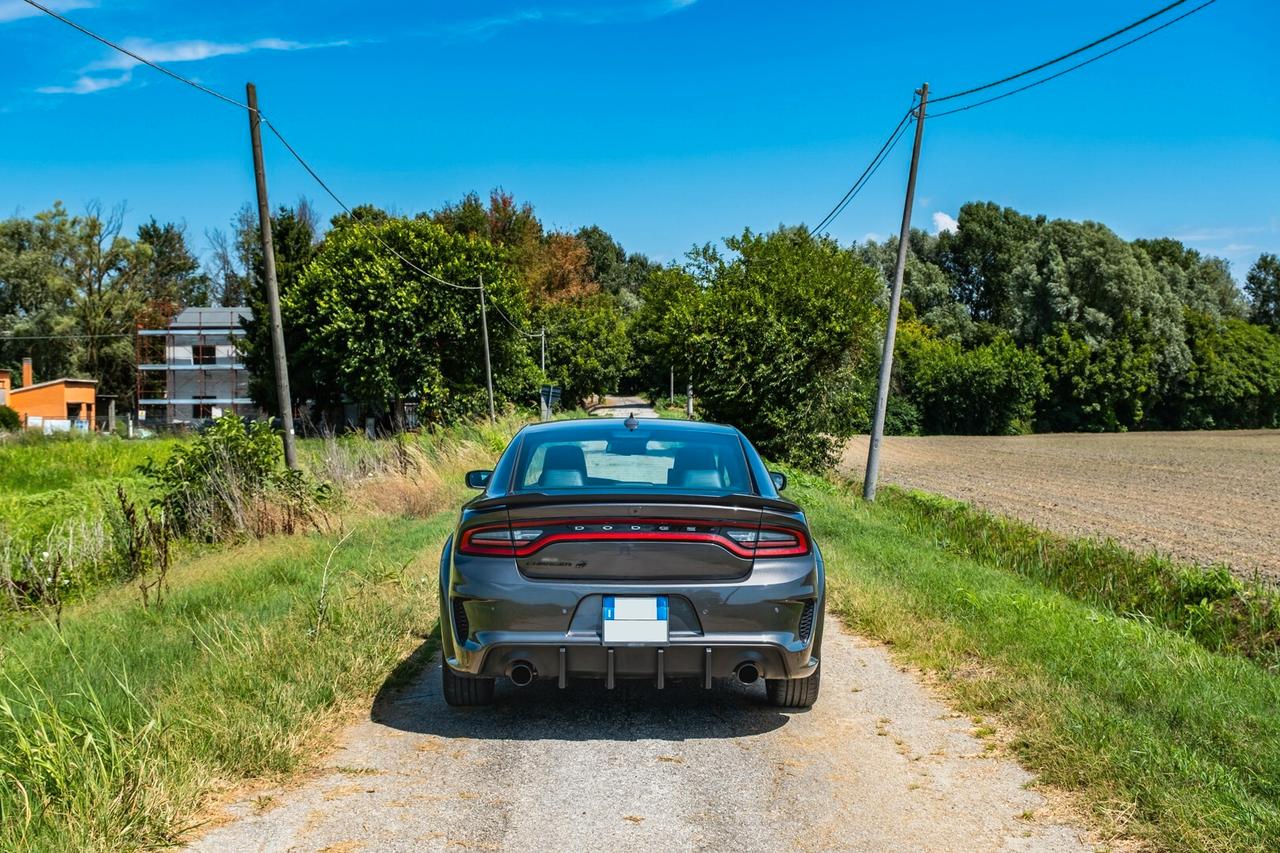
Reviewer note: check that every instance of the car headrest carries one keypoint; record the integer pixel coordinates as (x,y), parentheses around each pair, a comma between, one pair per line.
(564,467)
(695,456)
(561,478)
(701,478)
(565,456)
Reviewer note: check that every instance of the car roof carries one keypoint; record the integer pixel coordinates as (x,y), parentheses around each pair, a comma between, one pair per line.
(609,425)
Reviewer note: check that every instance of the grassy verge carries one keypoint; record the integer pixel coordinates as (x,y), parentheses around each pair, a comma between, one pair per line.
(1158,737)
(116,729)
(46,482)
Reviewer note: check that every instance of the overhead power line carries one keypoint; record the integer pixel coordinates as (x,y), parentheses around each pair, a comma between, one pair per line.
(1071,68)
(512,323)
(354,216)
(1056,60)
(129,53)
(872,167)
(4,337)
(292,151)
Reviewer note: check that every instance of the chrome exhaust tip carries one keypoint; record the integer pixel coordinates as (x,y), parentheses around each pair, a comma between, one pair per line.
(747,672)
(523,673)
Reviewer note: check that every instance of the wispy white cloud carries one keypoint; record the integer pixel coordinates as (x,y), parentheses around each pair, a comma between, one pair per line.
(943,221)
(166,53)
(86,85)
(601,14)
(13,10)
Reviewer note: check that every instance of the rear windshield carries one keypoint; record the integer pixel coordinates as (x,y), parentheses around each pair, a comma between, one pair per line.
(643,459)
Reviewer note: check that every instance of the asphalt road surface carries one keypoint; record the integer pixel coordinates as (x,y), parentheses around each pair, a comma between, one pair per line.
(878,764)
(620,407)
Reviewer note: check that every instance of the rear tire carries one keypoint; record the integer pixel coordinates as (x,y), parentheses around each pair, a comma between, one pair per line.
(464,690)
(794,692)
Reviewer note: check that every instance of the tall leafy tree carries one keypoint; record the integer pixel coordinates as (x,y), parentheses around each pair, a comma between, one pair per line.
(1263,288)
(379,333)
(588,350)
(293,235)
(783,337)
(170,274)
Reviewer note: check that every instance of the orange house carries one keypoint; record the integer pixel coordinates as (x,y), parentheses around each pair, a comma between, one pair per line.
(74,400)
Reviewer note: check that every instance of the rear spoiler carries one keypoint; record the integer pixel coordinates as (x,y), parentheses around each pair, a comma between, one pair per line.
(544,499)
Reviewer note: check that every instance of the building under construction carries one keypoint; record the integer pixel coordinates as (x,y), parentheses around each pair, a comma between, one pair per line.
(192,370)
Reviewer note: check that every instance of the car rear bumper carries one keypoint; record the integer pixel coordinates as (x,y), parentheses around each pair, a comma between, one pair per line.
(493,618)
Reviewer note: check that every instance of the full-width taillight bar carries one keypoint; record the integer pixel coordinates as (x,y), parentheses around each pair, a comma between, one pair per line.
(502,540)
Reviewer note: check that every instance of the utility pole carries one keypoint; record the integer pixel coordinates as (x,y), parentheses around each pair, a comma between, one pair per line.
(895,297)
(488,367)
(544,401)
(283,400)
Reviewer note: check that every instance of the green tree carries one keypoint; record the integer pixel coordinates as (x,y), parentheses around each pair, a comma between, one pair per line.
(1263,288)
(170,274)
(378,332)
(783,337)
(619,274)
(981,255)
(661,329)
(293,236)
(1233,381)
(588,350)
(1202,284)
(36,295)
(1096,387)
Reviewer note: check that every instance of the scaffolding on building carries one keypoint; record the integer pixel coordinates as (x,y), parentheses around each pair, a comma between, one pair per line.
(191,370)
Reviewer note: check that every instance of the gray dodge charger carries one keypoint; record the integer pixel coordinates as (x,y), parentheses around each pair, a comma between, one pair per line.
(611,549)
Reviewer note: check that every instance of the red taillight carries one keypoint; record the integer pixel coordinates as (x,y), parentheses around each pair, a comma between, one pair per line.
(523,541)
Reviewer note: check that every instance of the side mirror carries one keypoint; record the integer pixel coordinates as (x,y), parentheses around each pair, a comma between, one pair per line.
(478,479)
(779,480)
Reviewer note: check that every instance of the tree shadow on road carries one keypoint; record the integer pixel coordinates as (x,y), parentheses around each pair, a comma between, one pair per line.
(410,700)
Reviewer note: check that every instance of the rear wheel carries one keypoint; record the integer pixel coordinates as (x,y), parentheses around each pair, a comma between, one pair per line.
(461,689)
(794,692)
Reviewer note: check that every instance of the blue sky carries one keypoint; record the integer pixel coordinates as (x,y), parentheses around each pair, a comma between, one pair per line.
(667,122)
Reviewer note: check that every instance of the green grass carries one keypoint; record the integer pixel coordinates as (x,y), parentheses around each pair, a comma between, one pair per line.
(117,729)
(1157,737)
(48,481)
(113,732)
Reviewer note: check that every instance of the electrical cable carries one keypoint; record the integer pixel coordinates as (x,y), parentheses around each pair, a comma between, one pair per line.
(867,174)
(355,217)
(4,337)
(511,323)
(1055,61)
(292,151)
(1068,70)
(136,57)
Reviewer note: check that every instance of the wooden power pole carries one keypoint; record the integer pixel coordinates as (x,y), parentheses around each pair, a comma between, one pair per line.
(488,367)
(895,298)
(283,399)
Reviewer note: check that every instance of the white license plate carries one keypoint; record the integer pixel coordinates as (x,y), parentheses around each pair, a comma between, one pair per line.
(635,619)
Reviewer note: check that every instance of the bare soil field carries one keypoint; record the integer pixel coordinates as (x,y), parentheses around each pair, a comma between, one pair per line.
(1202,497)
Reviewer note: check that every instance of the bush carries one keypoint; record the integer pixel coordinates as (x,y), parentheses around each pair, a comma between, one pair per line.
(231,480)
(988,390)
(782,340)
(9,420)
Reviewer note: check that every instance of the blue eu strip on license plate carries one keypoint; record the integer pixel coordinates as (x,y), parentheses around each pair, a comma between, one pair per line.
(635,619)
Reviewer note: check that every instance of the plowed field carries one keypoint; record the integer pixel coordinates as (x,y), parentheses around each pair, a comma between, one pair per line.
(1203,497)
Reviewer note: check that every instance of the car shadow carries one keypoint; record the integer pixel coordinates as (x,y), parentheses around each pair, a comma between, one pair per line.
(410,700)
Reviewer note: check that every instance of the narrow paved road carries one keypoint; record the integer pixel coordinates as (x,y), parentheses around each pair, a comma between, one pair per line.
(620,407)
(877,765)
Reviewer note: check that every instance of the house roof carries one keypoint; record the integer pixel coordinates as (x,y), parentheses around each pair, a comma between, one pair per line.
(211,318)
(48,383)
